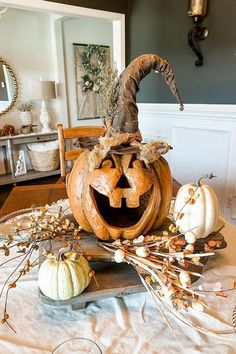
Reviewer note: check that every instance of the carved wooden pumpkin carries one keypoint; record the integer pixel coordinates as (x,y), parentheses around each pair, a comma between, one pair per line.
(122,198)
(127,190)
(64,277)
(199,206)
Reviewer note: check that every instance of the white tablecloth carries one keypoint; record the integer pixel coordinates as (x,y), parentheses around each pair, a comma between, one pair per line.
(128,325)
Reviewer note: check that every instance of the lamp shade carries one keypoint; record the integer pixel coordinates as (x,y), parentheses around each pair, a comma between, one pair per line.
(42,90)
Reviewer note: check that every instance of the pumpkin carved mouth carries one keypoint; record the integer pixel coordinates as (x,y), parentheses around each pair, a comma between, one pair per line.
(123,216)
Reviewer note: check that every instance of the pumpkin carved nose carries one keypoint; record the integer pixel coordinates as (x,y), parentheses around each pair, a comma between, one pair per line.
(123,182)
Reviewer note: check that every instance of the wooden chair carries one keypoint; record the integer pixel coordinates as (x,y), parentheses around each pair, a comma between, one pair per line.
(65,134)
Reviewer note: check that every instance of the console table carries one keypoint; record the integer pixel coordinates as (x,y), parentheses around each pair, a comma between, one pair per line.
(7,143)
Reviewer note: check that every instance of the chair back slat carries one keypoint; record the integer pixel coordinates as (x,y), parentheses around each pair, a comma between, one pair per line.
(83,132)
(73,154)
(74,133)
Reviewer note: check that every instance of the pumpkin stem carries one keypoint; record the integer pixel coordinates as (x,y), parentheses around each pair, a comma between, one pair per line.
(197,182)
(62,251)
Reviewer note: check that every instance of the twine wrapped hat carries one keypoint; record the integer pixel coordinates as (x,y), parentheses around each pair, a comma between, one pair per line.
(126,117)
(122,133)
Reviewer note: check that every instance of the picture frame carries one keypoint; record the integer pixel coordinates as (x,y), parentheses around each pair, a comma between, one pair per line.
(87,58)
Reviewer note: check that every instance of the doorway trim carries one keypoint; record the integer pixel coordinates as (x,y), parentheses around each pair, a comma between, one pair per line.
(58,11)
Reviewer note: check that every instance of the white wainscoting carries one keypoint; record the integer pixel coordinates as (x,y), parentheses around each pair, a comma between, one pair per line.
(203,139)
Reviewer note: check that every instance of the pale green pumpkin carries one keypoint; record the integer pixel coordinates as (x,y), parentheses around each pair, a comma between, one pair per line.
(61,278)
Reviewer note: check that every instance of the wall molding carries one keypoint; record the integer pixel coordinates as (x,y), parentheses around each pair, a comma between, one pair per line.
(117,19)
(162,121)
(61,11)
(198,111)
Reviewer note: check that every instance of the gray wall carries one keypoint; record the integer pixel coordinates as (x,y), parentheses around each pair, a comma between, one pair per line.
(160,26)
(106,5)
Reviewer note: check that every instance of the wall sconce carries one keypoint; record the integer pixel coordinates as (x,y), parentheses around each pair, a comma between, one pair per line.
(197,10)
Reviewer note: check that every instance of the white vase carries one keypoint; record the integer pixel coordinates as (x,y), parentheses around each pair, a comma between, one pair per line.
(26,118)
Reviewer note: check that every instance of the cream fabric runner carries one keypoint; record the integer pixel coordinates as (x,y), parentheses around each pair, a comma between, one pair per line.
(128,325)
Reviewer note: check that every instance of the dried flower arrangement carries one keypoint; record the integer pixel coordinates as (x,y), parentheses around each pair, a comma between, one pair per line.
(24,106)
(165,262)
(8,129)
(25,238)
(107,106)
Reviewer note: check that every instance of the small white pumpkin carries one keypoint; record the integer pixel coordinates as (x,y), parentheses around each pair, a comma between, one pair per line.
(65,276)
(200,208)
(119,256)
(142,252)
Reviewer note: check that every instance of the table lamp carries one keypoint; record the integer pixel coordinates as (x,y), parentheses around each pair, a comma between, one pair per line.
(43,90)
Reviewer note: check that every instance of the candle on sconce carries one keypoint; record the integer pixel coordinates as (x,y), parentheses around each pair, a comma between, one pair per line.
(197,8)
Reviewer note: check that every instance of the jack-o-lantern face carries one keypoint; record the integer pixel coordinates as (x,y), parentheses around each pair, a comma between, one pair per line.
(122,198)
(121,189)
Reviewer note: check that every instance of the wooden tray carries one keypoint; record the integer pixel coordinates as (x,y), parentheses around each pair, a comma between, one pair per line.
(113,279)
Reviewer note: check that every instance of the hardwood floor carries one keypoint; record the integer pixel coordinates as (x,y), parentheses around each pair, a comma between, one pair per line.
(5,190)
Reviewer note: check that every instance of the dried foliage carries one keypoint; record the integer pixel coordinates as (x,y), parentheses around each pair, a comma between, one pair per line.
(126,143)
(107,106)
(8,129)
(42,226)
(164,262)
(24,106)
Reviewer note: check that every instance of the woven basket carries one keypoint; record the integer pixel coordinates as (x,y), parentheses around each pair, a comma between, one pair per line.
(44,160)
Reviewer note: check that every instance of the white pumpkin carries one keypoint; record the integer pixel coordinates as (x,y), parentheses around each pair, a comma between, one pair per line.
(63,277)
(199,207)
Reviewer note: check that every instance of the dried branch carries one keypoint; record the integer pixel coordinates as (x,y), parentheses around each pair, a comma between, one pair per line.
(162,263)
(108,93)
(43,226)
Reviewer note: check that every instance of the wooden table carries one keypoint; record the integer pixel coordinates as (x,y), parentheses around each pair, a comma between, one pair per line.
(33,196)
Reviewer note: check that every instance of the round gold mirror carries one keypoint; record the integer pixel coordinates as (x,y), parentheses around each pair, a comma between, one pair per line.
(8,87)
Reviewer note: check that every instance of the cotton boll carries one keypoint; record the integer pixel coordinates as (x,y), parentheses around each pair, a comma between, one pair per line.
(184,278)
(189,248)
(198,306)
(138,239)
(117,242)
(217,286)
(190,237)
(119,256)
(142,252)
(141,238)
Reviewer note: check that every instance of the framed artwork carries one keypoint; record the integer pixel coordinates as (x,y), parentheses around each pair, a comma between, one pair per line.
(88,59)
(21,164)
